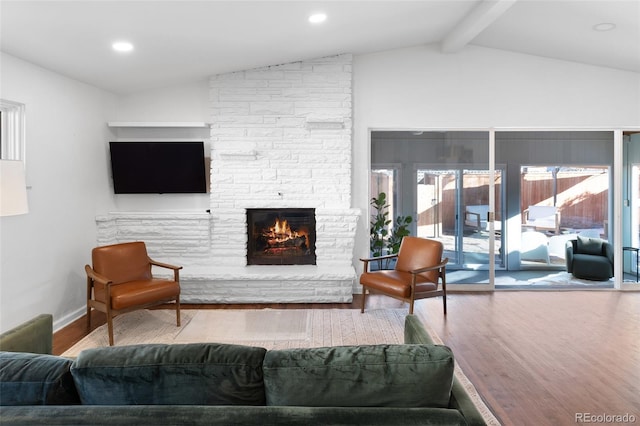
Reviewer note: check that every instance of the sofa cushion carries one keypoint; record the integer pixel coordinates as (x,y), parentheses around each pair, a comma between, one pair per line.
(589,245)
(192,374)
(32,379)
(360,376)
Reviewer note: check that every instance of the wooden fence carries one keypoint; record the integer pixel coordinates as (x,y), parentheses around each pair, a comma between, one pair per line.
(582,197)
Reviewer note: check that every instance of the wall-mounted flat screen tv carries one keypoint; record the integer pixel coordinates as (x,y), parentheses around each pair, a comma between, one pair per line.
(158,167)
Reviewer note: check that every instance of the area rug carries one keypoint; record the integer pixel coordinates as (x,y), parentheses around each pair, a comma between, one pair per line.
(564,278)
(267,328)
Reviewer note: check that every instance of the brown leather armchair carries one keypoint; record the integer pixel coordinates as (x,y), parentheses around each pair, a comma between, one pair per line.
(121,281)
(418,269)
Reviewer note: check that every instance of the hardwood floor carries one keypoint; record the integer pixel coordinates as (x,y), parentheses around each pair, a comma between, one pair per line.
(536,357)
(540,358)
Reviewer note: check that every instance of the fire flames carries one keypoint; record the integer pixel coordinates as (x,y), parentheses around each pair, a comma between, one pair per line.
(280,235)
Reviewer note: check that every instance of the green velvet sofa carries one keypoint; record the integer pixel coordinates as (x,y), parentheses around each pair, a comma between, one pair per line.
(221,384)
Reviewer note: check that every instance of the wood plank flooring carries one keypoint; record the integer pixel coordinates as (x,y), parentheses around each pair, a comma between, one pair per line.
(536,357)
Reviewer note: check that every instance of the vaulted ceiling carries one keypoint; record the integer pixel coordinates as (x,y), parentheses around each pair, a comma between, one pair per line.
(180,41)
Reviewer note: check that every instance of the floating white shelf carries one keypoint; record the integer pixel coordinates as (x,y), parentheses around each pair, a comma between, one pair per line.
(239,155)
(160,124)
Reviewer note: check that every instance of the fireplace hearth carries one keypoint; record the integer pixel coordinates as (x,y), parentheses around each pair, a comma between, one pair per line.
(281,236)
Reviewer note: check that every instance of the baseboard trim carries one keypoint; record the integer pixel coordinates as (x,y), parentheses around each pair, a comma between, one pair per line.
(67,319)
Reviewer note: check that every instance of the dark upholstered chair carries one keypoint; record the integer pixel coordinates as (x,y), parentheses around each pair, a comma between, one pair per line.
(590,258)
(121,281)
(418,269)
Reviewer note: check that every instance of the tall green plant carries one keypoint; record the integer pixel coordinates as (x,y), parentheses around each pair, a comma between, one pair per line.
(399,231)
(384,240)
(379,225)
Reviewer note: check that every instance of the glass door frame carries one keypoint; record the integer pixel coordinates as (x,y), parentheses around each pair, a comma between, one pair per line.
(492,208)
(626,192)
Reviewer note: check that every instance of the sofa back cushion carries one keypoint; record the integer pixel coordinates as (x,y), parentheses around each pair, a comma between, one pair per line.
(589,245)
(32,379)
(360,376)
(190,374)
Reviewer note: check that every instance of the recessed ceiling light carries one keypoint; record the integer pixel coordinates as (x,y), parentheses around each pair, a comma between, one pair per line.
(122,46)
(604,26)
(317,18)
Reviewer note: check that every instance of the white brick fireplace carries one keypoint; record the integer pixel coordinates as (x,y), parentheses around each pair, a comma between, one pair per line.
(281,137)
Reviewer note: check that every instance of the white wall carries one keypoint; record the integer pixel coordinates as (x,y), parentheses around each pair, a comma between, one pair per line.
(43,253)
(419,88)
(185,102)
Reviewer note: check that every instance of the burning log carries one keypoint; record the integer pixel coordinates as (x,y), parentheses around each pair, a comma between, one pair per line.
(299,242)
(280,235)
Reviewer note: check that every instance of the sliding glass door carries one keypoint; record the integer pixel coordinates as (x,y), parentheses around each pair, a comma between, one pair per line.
(453,207)
(444,182)
(631,206)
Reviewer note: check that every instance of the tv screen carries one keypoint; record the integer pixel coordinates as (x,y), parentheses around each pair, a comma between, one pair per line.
(158,167)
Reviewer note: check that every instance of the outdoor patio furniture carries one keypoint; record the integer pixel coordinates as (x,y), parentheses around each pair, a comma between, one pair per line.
(542,218)
(557,244)
(534,246)
(476,217)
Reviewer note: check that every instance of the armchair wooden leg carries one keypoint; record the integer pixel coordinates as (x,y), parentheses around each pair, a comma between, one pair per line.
(443,276)
(178,311)
(411,306)
(444,303)
(88,318)
(364,296)
(110,328)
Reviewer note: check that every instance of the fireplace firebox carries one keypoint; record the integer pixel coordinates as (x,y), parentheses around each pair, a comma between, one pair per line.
(281,236)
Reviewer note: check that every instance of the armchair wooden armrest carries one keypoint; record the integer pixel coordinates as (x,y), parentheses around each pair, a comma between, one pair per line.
(164,265)
(176,274)
(96,276)
(373,259)
(441,275)
(430,268)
